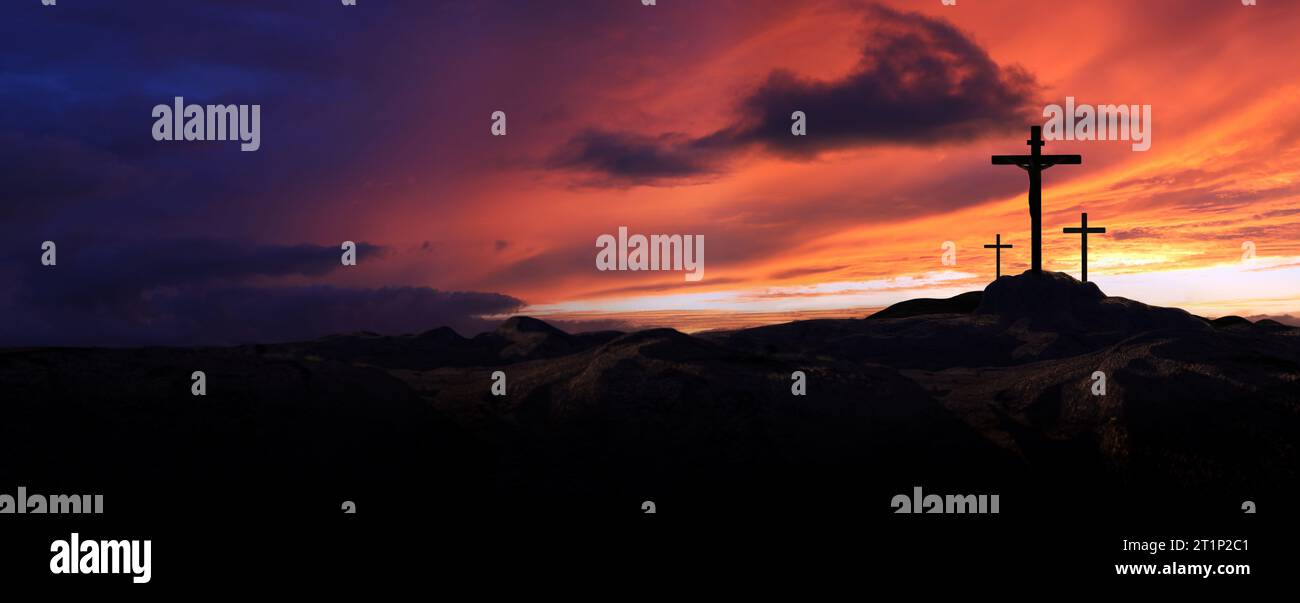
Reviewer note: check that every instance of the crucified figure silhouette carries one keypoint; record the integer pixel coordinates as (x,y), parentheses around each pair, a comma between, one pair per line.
(1035,163)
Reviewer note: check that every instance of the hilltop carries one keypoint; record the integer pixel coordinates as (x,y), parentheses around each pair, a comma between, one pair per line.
(987,391)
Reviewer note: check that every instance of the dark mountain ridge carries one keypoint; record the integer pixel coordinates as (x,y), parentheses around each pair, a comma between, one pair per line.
(988,391)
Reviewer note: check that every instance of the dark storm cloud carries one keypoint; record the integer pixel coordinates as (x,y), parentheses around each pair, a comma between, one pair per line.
(35,186)
(629,158)
(919,81)
(133,216)
(191,316)
(198,292)
(86,270)
(78,87)
(248,314)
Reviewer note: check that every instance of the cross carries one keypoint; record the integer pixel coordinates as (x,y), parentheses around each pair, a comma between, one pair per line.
(1035,163)
(999,247)
(1083,230)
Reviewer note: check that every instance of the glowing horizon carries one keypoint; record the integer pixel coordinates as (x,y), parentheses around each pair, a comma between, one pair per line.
(1221,172)
(669,120)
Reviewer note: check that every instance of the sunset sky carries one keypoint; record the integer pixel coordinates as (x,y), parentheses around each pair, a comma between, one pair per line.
(670,119)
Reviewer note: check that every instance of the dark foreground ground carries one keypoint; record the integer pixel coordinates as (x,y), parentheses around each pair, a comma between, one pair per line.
(987,393)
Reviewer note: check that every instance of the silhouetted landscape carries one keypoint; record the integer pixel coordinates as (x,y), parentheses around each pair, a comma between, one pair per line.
(986,392)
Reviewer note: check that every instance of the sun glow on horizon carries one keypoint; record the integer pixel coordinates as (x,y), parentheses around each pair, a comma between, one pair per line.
(1211,291)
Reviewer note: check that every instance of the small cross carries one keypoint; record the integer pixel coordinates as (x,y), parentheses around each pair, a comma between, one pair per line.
(1083,231)
(999,247)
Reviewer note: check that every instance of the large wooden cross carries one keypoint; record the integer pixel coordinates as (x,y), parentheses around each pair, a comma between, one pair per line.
(1083,231)
(999,247)
(1034,163)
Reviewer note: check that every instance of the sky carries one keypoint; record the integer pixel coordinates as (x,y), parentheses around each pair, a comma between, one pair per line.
(376,127)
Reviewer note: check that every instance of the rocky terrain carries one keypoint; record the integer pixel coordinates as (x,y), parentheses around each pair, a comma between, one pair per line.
(987,392)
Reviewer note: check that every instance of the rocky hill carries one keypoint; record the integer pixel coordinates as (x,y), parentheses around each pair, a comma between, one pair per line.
(988,392)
